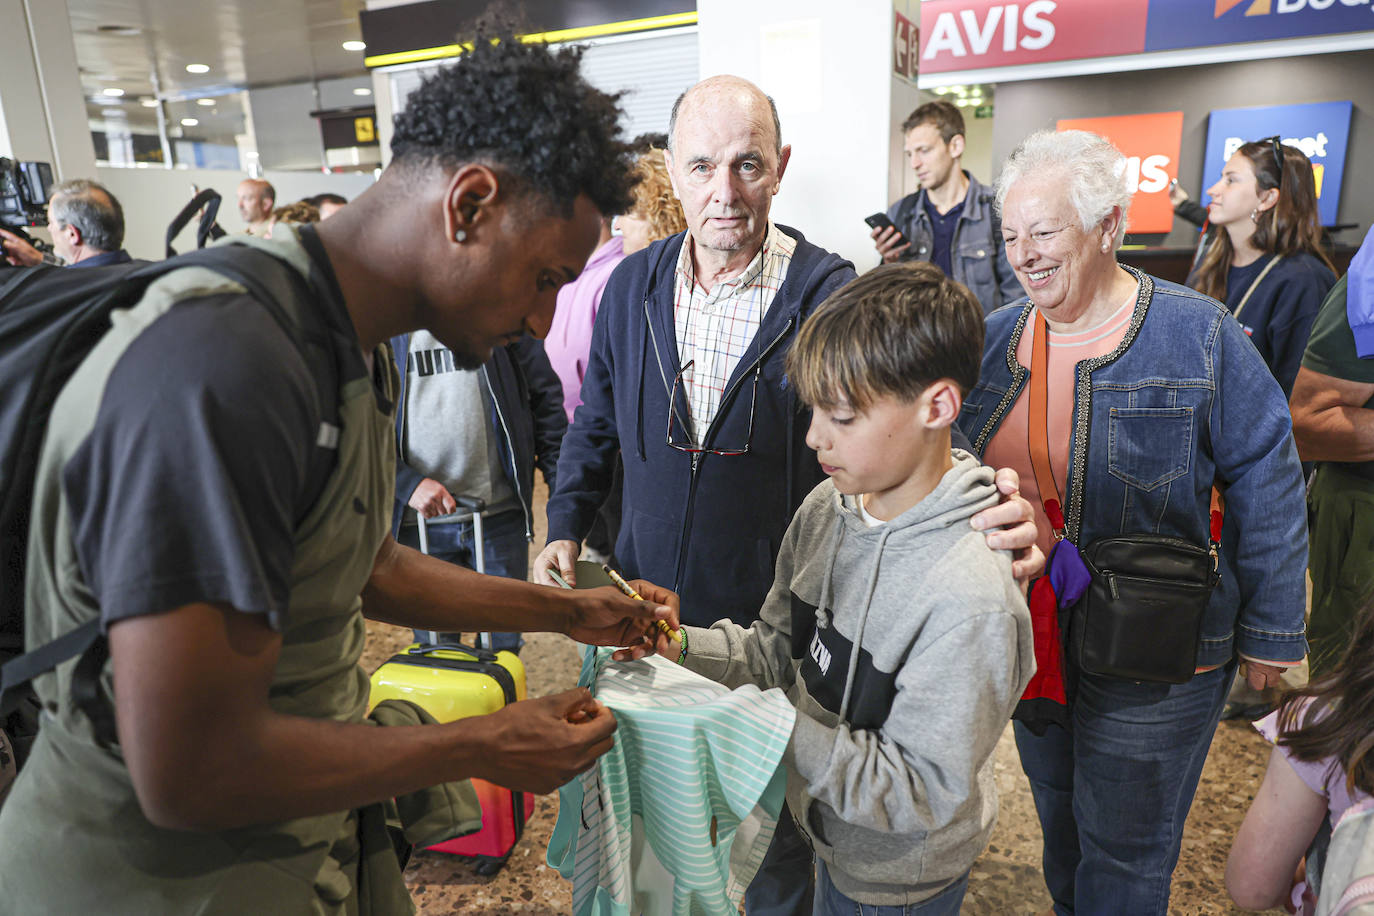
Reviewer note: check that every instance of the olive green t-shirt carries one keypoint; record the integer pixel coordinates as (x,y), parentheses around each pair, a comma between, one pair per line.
(1331,347)
(1331,351)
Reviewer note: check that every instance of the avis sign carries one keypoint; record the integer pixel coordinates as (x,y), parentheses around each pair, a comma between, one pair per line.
(1151,143)
(974,34)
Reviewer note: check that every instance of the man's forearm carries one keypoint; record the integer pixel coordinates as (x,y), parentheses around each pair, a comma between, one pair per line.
(297,767)
(411,589)
(1335,433)
(206,751)
(1330,421)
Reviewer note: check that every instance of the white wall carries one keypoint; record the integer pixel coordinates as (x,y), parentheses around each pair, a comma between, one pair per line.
(828,66)
(978,148)
(151,197)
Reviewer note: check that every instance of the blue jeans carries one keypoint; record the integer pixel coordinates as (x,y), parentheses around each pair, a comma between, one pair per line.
(830,902)
(505,552)
(784,883)
(1114,790)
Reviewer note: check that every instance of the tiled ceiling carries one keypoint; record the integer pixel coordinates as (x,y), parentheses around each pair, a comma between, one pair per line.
(245,43)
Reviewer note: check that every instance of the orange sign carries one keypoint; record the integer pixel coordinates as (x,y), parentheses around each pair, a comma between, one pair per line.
(1151,143)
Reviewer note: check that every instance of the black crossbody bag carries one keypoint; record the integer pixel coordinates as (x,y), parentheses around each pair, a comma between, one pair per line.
(1141,617)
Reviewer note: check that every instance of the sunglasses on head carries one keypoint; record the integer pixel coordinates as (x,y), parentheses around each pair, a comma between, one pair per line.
(1275,149)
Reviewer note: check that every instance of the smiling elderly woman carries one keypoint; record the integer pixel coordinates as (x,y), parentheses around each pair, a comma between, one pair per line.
(1123,400)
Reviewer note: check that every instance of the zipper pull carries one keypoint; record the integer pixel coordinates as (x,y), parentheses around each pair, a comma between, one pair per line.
(1111,584)
(696,461)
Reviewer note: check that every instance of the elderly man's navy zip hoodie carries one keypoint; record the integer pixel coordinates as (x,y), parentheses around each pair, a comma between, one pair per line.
(709,526)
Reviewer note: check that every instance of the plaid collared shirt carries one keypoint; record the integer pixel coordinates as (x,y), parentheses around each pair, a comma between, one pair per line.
(716,326)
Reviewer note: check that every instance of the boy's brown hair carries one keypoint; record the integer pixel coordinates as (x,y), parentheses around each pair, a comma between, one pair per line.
(893,331)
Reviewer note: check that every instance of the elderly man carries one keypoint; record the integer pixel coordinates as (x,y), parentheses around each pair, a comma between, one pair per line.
(86,223)
(256,200)
(685,379)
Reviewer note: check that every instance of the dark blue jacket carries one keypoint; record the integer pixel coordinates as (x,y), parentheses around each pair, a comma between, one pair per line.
(526,414)
(710,529)
(104,259)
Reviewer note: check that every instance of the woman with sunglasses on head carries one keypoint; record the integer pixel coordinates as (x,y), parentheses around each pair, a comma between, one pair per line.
(1266,262)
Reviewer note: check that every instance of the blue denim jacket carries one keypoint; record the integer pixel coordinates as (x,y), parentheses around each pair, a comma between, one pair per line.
(1183,401)
(978,258)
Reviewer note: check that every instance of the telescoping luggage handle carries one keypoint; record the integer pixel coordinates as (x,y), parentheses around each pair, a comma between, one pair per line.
(476,506)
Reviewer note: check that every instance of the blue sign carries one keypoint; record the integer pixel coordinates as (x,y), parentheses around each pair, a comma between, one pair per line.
(1321,130)
(1198,23)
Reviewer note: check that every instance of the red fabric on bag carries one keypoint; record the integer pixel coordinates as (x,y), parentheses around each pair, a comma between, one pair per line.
(1048,682)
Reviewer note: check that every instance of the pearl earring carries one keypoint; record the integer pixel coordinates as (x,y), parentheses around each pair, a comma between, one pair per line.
(1254,215)
(460,236)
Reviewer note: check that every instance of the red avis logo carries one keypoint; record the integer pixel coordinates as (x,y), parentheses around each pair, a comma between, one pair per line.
(976,34)
(1029,29)
(1151,145)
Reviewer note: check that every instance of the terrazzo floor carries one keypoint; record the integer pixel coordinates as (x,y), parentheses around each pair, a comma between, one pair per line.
(1006,879)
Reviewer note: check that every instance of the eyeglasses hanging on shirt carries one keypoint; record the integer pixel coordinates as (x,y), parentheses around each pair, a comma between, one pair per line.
(679,429)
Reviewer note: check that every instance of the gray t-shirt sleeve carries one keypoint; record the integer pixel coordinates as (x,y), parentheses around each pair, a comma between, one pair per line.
(190,484)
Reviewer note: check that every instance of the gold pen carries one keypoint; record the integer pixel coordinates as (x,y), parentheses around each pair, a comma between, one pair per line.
(629,590)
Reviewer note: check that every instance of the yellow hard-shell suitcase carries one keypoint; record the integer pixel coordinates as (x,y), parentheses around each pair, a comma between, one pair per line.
(452,682)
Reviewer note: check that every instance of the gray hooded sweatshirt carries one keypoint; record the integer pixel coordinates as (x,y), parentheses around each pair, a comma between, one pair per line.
(904,647)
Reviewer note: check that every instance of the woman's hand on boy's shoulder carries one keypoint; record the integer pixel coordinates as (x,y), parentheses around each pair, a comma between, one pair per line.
(1010,525)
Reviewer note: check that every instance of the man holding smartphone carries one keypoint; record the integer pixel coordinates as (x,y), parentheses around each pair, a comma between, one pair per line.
(950,220)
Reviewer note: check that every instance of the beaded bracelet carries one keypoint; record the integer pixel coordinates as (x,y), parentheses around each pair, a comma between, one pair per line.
(682,656)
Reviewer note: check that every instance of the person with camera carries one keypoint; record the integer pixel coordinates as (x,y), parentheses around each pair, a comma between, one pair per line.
(950,221)
(86,223)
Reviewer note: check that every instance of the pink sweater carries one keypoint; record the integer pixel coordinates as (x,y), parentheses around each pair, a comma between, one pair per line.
(570,336)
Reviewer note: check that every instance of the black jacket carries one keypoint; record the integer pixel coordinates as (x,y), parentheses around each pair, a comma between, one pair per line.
(526,413)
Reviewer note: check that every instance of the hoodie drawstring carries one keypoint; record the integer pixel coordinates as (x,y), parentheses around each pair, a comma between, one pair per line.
(823,615)
(863,618)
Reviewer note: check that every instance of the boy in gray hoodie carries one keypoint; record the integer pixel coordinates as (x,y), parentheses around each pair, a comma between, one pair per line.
(899,635)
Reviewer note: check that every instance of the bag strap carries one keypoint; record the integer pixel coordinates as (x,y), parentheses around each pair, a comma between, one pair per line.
(209,200)
(1254,284)
(1038,431)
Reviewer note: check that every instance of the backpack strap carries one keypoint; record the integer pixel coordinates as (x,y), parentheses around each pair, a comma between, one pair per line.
(269,280)
(29,666)
(209,200)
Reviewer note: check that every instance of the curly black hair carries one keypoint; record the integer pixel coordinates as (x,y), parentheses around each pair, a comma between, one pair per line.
(526,109)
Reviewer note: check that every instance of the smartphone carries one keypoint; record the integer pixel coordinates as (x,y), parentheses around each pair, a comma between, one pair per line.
(880,221)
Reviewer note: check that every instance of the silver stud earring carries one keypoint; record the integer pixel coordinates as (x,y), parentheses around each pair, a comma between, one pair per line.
(1254,215)
(460,236)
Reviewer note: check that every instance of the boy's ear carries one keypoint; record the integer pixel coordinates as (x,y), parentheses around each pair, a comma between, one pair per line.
(942,402)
